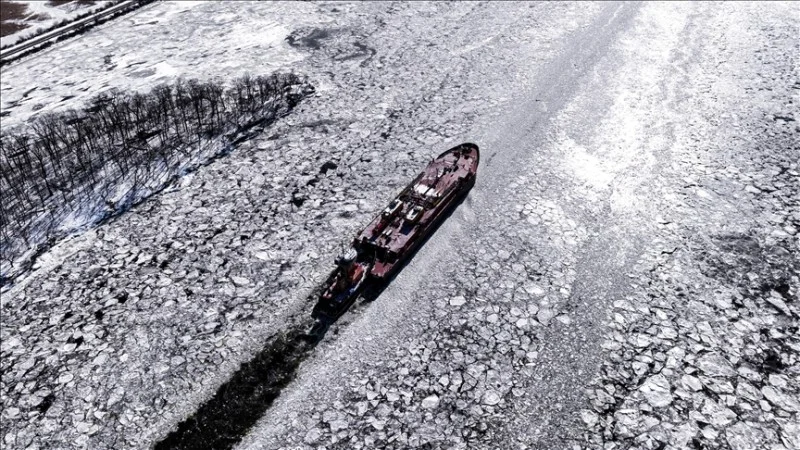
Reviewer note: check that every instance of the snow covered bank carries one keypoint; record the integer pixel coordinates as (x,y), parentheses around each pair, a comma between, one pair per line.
(70,170)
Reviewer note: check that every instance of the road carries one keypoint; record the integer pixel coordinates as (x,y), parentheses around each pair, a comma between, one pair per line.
(17,50)
(623,275)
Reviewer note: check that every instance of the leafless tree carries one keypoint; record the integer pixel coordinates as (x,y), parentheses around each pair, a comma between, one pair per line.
(59,162)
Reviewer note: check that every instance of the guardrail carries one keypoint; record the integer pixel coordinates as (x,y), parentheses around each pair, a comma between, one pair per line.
(43,40)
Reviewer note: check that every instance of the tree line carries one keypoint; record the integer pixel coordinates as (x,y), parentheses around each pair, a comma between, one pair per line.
(60,161)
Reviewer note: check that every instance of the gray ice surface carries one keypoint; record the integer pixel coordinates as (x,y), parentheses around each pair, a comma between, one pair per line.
(623,275)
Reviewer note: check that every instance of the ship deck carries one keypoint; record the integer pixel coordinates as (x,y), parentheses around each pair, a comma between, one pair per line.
(394,231)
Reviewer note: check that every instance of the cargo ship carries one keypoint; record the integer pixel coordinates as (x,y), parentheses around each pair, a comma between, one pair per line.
(380,250)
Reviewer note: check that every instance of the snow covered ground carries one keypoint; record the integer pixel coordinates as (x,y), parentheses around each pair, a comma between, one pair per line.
(623,275)
(37,15)
(155,44)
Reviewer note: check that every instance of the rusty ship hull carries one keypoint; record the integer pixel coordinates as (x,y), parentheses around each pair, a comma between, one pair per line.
(386,244)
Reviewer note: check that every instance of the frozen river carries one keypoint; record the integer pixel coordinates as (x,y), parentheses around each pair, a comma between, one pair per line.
(623,275)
